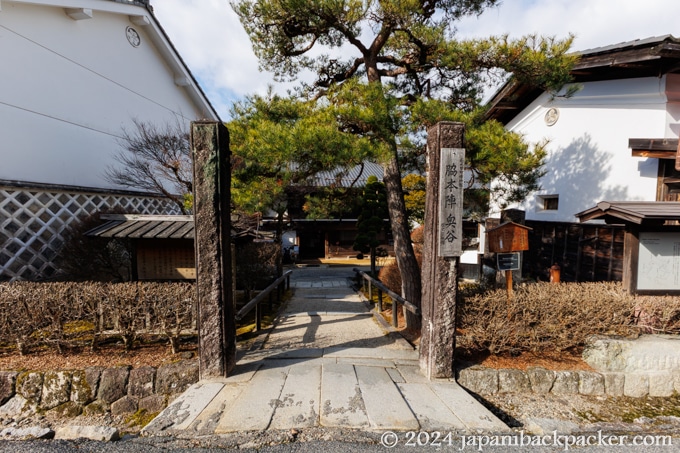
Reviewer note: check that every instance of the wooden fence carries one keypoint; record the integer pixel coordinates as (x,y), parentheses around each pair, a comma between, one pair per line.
(585,253)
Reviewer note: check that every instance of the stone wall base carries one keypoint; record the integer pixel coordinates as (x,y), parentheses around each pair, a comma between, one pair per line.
(490,381)
(94,390)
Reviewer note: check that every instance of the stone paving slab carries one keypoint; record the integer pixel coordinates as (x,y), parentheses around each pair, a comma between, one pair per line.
(339,369)
(374,353)
(254,407)
(299,402)
(432,413)
(473,415)
(385,405)
(341,400)
(207,421)
(185,409)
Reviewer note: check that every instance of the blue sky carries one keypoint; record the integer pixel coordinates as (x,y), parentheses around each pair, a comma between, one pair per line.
(214,45)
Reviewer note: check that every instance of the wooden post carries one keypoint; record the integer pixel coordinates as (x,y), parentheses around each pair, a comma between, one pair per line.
(439,275)
(216,311)
(508,285)
(395,313)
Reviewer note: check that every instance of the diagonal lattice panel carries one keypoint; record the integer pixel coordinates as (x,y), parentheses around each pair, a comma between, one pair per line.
(32,223)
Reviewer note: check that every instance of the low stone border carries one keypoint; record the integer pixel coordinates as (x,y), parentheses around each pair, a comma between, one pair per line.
(95,390)
(490,381)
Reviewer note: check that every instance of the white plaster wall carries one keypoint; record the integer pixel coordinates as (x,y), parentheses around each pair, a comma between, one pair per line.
(588,155)
(673,108)
(68,88)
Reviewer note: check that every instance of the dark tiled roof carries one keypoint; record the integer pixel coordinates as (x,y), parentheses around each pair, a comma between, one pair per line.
(637,212)
(354,177)
(133,226)
(145,227)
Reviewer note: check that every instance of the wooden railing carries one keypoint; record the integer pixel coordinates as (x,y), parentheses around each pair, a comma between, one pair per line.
(280,284)
(396,298)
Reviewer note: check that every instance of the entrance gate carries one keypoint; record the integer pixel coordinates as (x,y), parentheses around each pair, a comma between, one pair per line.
(216,313)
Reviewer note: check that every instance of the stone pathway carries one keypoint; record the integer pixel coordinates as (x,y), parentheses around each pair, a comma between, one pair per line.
(326,363)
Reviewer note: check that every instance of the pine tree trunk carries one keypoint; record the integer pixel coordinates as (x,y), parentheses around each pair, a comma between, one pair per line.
(403,248)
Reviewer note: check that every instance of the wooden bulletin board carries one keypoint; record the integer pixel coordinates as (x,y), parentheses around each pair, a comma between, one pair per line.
(659,261)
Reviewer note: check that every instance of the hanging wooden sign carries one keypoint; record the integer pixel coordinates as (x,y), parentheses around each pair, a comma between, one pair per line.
(451,168)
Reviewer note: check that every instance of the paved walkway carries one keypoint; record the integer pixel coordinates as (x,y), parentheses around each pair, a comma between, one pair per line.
(327,363)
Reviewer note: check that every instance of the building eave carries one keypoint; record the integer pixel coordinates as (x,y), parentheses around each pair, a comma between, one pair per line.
(650,57)
(140,13)
(633,212)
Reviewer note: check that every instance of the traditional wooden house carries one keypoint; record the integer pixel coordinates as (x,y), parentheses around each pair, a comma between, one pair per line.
(162,247)
(75,73)
(615,139)
(330,237)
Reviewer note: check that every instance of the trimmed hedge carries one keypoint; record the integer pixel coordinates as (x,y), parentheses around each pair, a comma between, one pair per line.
(552,318)
(66,314)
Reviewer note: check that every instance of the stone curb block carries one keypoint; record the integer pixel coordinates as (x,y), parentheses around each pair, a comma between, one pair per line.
(33,432)
(490,381)
(100,433)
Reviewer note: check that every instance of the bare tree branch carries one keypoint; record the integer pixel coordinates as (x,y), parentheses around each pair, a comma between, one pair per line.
(155,159)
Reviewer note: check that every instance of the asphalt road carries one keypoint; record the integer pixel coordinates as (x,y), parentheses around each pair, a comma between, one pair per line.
(154,446)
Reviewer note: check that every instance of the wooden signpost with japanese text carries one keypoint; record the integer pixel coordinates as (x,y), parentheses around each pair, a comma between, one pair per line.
(441,248)
(452,166)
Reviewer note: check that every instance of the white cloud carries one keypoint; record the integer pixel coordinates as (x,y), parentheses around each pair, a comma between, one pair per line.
(210,38)
(595,23)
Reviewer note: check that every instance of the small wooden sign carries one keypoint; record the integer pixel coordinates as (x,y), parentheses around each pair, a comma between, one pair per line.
(508,261)
(451,169)
(509,237)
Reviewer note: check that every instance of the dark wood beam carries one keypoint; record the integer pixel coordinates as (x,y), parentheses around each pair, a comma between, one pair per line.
(659,148)
(615,59)
(654,154)
(653,144)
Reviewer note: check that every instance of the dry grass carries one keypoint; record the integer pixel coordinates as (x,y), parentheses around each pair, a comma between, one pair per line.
(543,317)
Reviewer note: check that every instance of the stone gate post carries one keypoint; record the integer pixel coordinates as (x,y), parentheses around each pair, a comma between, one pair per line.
(212,226)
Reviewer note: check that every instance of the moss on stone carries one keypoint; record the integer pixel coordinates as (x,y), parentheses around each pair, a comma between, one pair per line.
(633,408)
(81,390)
(29,386)
(141,418)
(67,410)
(96,408)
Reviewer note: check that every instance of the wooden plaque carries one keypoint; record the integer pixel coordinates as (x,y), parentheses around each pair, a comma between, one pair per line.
(451,169)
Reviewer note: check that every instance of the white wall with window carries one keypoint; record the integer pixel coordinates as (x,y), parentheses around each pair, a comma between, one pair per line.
(588,155)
